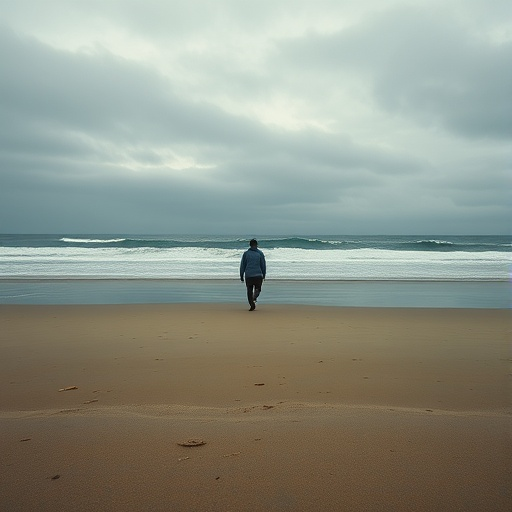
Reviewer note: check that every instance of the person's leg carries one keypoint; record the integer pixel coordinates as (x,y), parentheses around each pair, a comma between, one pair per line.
(250,285)
(257,288)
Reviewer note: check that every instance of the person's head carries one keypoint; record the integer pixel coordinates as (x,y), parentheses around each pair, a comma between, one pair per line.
(253,243)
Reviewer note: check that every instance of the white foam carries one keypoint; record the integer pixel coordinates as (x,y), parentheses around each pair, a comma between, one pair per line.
(282,263)
(91,240)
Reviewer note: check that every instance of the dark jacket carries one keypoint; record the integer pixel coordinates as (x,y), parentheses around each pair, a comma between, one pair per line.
(253,263)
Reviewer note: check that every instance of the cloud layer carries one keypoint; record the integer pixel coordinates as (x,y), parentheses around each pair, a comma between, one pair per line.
(235,117)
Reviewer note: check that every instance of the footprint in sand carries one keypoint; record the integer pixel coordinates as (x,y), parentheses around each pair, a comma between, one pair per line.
(192,442)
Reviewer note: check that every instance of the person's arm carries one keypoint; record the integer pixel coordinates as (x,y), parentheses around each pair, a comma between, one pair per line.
(263,265)
(243,264)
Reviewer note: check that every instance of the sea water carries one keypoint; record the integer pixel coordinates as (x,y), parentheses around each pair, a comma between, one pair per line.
(27,262)
(427,258)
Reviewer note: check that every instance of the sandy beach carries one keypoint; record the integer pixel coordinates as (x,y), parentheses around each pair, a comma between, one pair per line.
(296,408)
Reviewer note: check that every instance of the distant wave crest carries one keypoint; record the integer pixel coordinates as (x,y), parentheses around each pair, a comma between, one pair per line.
(292,242)
(434,242)
(92,240)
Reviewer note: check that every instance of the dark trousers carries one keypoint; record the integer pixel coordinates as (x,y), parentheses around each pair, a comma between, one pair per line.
(253,285)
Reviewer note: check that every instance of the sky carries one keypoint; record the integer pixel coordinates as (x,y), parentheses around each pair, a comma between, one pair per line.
(268,117)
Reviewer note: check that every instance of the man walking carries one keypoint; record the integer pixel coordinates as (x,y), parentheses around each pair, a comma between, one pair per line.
(254,267)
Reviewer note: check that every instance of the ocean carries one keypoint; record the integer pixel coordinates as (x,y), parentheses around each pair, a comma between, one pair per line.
(126,268)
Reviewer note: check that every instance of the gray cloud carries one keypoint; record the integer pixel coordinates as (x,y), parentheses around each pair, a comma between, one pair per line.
(246,119)
(416,63)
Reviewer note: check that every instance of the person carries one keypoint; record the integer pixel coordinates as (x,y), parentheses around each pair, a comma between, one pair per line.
(254,267)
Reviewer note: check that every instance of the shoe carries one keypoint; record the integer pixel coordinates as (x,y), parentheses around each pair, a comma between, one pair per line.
(253,306)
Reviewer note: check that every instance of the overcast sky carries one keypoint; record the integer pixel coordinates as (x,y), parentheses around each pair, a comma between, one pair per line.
(267,117)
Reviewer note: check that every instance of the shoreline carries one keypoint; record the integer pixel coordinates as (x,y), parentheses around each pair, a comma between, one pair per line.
(278,280)
(437,294)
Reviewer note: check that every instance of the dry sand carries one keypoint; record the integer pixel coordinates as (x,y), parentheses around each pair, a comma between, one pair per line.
(300,408)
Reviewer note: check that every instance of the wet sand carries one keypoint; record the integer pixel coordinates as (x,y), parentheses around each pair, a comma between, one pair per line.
(298,407)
